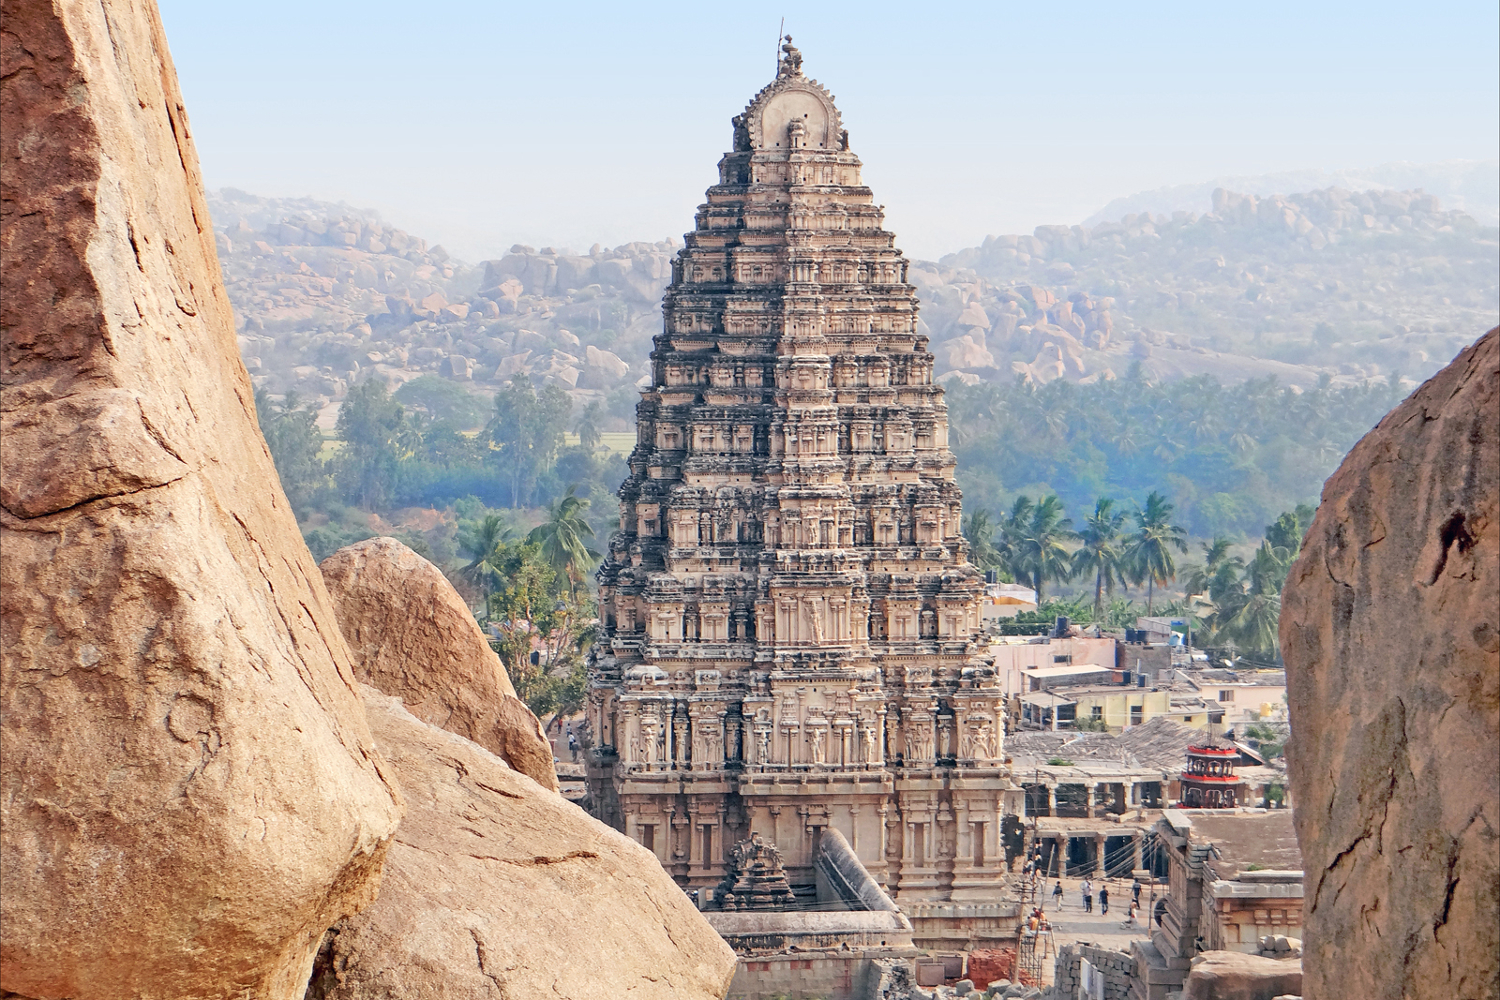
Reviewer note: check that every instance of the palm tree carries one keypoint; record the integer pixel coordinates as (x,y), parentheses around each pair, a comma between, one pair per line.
(1257,621)
(980,531)
(1043,552)
(1151,546)
(488,543)
(1201,578)
(1102,553)
(1009,549)
(562,535)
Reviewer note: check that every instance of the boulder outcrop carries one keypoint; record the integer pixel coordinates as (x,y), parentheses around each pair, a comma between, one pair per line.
(413,637)
(1391,636)
(494,888)
(1232,975)
(189,792)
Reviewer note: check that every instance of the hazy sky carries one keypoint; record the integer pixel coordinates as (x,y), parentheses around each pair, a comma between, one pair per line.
(484,124)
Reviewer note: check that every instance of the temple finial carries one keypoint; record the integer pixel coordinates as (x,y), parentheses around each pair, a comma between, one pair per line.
(791,60)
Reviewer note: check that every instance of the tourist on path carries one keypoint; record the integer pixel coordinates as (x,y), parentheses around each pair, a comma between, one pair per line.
(1104,899)
(1135,891)
(1057,895)
(1088,896)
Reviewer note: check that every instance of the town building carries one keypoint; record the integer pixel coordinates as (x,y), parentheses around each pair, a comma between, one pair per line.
(1005,600)
(789,616)
(1233,880)
(1016,657)
(1245,696)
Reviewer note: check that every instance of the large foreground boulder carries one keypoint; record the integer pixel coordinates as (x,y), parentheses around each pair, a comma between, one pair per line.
(1231,975)
(1390,627)
(189,793)
(496,888)
(413,637)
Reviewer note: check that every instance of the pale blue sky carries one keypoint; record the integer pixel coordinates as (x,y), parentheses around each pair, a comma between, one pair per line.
(484,124)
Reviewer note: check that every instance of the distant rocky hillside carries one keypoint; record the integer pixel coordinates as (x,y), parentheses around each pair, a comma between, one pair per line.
(326,295)
(1470,186)
(1331,282)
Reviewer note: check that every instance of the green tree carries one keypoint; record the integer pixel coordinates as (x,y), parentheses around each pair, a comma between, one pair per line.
(1043,547)
(291,432)
(562,538)
(542,637)
(590,426)
(527,429)
(1150,548)
(442,399)
(1102,552)
(370,425)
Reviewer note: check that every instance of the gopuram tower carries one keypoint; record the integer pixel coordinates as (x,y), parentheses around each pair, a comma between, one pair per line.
(788,612)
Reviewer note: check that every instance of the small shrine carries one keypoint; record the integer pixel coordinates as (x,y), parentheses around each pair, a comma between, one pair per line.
(756,879)
(1209,781)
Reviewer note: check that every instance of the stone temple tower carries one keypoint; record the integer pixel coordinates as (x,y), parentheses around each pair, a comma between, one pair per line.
(788,611)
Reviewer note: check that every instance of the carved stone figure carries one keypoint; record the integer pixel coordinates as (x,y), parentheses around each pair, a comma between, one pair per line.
(815,743)
(815,620)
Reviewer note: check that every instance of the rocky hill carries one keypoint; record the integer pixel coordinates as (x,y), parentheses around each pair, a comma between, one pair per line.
(1331,282)
(1352,285)
(326,296)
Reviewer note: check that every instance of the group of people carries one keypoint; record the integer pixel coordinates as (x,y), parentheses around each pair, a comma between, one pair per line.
(1087,890)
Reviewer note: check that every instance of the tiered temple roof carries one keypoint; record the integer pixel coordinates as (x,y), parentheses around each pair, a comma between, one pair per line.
(789,613)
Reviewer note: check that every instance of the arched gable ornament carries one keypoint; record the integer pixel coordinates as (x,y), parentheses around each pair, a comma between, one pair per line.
(793,97)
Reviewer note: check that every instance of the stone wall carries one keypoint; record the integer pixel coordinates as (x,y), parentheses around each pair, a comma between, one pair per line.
(803,977)
(1118,969)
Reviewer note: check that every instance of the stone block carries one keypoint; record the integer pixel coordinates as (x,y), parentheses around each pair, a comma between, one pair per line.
(1230,975)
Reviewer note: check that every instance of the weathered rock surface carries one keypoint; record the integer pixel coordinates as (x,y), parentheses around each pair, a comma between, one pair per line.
(496,889)
(1391,635)
(413,637)
(189,792)
(1231,975)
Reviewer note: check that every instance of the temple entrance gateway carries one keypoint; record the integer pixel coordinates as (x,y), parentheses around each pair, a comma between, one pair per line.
(789,608)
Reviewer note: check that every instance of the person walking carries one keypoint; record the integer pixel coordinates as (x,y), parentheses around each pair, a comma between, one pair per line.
(1104,899)
(1130,916)
(1057,895)
(573,747)
(1088,896)
(1135,891)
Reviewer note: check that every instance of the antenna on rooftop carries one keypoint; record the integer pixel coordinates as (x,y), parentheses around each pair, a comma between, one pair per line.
(779,32)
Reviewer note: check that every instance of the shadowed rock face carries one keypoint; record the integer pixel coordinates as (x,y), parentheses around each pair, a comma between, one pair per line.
(190,795)
(497,888)
(413,637)
(1391,634)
